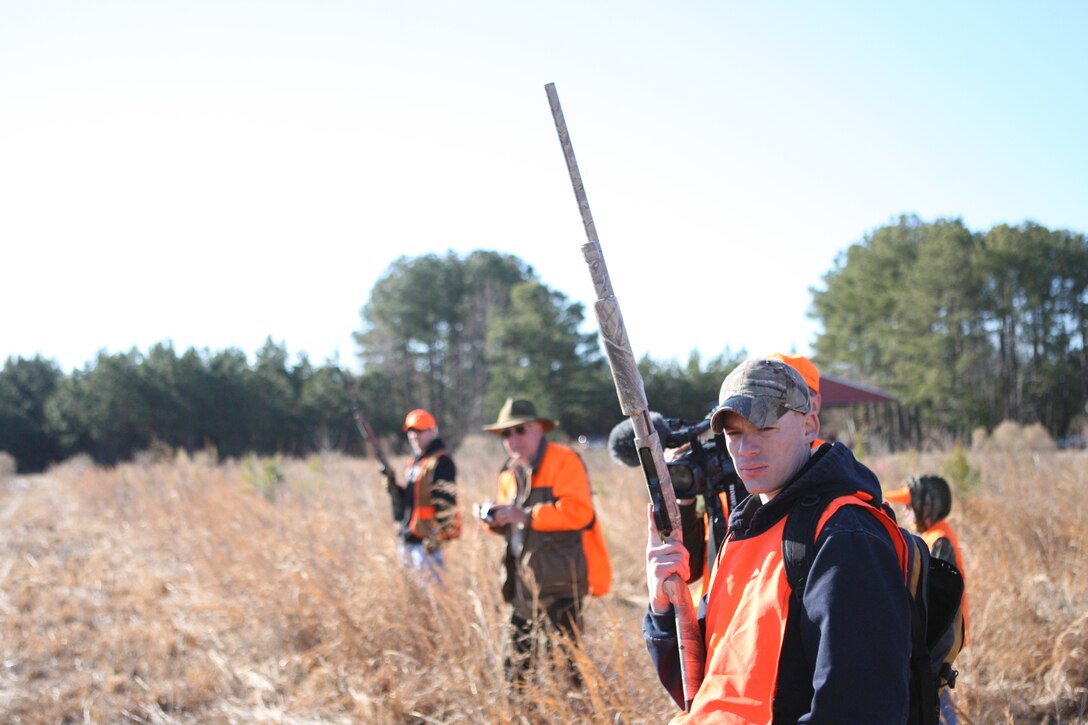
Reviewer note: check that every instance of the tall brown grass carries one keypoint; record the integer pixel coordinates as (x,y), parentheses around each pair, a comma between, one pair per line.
(190,590)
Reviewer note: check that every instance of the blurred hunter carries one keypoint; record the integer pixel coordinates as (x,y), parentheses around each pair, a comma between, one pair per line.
(555,550)
(928,500)
(425,507)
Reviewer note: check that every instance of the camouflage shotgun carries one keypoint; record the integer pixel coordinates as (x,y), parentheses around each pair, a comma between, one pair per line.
(632,397)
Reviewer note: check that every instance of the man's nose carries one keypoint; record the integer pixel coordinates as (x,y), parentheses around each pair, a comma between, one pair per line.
(746,445)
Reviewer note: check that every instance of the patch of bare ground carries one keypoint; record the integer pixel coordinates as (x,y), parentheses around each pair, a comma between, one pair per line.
(268,591)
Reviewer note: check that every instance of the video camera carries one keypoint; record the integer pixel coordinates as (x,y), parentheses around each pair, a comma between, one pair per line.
(702,473)
(698,465)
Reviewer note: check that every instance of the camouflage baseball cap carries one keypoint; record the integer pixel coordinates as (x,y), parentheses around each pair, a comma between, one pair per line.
(762,390)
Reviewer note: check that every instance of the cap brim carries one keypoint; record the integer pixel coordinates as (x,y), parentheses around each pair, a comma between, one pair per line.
(899,495)
(717,420)
(499,427)
(754,409)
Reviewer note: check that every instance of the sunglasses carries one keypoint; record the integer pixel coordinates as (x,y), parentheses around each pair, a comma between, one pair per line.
(516,430)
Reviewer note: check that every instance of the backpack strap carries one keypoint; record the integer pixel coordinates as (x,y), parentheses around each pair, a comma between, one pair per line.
(805,521)
(799,542)
(799,551)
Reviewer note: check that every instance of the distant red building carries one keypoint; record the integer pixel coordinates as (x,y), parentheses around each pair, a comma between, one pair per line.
(836,393)
(850,409)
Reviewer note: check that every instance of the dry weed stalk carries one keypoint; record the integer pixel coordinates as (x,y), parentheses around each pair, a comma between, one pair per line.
(192,590)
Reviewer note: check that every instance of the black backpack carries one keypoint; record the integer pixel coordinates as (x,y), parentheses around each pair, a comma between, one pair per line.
(935,587)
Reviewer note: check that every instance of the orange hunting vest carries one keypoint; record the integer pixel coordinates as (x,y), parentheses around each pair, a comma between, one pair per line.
(746,618)
(422,524)
(941,530)
(561,483)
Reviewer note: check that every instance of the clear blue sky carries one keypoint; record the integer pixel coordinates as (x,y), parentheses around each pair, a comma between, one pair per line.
(217,173)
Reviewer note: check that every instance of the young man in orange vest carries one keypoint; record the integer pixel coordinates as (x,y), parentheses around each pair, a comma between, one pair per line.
(555,549)
(929,501)
(425,508)
(716,519)
(836,652)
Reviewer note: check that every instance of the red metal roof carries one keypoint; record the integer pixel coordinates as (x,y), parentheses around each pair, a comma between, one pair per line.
(838,392)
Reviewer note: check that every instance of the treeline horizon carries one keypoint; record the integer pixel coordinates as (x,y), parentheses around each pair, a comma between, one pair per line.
(966,328)
(123,404)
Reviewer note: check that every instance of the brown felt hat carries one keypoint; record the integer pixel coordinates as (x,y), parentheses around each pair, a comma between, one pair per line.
(516,412)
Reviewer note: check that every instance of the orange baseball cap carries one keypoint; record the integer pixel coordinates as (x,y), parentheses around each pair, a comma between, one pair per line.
(420,420)
(803,365)
(899,495)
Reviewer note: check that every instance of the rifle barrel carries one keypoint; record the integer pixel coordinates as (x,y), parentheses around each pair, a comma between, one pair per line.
(632,398)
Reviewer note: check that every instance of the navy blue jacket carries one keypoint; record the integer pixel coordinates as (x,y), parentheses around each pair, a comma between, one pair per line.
(845,656)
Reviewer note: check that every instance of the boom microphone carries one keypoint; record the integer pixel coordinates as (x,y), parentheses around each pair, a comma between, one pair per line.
(621,441)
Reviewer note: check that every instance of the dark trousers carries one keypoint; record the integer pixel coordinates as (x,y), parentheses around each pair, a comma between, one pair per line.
(563,616)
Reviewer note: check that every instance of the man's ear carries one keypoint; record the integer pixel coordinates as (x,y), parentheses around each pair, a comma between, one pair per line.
(811,424)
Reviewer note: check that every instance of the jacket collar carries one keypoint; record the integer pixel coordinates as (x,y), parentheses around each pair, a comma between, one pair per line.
(435,446)
(831,469)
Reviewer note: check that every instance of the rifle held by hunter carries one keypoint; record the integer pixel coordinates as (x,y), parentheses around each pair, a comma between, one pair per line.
(368,434)
(632,397)
(363,424)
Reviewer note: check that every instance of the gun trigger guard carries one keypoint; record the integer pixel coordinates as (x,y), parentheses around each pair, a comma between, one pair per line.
(661,515)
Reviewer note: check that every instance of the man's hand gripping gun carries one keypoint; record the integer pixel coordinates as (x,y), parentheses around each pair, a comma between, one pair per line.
(632,397)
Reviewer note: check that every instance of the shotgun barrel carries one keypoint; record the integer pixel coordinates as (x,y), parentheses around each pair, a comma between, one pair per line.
(362,423)
(367,432)
(632,397)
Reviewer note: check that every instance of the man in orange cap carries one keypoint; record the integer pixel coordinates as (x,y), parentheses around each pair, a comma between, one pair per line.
(808,371)
(425,508)
(929,501)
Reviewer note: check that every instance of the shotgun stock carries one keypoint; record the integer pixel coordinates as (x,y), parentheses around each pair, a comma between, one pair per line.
(632,396)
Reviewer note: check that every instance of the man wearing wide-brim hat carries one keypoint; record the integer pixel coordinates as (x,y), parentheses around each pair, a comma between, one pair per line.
(555,549)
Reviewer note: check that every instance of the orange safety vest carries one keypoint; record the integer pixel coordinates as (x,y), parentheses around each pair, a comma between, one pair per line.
(746,619)
(941,530)
(560,500)
(704,584)
(422,523)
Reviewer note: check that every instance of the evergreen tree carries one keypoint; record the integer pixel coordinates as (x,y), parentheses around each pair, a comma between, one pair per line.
(536,351)
(970,328)
(102,410)
(688,391)
(425,331)
(25,386)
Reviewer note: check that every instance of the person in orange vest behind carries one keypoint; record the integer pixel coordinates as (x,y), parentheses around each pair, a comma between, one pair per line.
(809,372)
(425,507)
(555,548)
(929,500)
(836,651)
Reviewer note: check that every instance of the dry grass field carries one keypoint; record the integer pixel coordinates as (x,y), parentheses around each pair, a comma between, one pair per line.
(267,591)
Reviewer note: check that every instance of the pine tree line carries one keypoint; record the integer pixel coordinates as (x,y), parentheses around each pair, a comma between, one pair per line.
(967,328)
